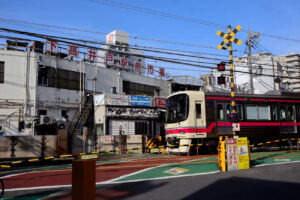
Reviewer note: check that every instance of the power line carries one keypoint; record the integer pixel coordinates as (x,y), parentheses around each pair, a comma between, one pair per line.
(177,17)
(170,60)
(103,33)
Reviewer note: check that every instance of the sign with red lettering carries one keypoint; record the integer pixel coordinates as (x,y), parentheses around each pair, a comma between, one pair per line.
(91,54)
(73,51)
(124,62)
(109,59)
(51,46)
(232,155)
(138,66)
(150,69)
(160,102)
(162,71)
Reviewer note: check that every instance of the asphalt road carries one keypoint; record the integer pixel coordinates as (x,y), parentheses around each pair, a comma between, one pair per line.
(265,182)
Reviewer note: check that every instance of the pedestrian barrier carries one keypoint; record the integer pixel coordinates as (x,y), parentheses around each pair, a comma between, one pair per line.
(221,150)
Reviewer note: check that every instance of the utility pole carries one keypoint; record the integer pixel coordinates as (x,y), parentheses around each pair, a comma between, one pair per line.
(250,60)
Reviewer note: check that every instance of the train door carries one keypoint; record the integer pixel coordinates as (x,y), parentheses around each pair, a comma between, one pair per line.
(288,123)
(223,125)
(199,119)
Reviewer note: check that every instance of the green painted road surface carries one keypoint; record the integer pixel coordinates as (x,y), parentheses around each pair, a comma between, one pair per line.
(207,165)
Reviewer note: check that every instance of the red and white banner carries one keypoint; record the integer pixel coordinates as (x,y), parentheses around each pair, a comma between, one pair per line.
(138,66)
(150,69)
(232,156)
(73,51)
(109,59)
(162,71)
(160,102)
(51,45)
(91,54)
(124,62)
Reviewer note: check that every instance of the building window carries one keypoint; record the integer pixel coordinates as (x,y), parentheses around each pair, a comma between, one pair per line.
(59,78)
(43,75)
(64,114)
(131,88)
(1,72)
(42,112)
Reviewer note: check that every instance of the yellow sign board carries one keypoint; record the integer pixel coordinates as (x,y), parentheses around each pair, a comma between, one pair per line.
(243,153)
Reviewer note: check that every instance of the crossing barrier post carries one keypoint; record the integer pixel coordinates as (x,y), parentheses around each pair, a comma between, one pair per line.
(83,179)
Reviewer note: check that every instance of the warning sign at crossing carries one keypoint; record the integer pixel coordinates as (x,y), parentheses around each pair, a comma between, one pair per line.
(232,156)
(243,153)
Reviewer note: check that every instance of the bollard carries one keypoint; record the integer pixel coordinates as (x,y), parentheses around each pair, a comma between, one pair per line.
(83,179)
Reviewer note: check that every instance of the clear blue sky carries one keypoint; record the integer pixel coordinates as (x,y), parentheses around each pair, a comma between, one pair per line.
(278,17)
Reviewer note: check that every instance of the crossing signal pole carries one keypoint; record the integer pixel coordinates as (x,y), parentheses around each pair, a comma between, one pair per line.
(227,42)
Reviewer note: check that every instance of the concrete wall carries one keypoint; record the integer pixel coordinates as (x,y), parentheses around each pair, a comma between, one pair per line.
(28,146)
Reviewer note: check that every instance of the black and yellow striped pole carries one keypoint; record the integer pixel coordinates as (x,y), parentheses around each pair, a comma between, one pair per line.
(228,39)
(233,109)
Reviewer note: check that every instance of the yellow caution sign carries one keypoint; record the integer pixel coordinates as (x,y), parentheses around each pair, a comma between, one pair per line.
(243,153)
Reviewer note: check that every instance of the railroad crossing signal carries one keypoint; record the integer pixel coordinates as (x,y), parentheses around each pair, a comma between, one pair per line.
(229,37)
(227,42)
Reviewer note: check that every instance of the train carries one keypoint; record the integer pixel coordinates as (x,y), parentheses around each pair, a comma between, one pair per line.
(196,117)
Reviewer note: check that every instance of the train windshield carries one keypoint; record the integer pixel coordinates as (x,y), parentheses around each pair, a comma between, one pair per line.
(177,108)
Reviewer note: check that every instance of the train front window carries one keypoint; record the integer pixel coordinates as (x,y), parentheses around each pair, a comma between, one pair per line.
(177,108)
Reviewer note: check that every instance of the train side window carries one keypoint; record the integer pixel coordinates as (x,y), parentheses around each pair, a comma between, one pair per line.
(298,113)
(198,110)
(282,113)
(251,112)
(274,113)
(239,110)
(290,113)
(220,114)
(228,109)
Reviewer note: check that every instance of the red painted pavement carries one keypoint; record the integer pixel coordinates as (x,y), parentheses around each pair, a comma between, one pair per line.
(104,172)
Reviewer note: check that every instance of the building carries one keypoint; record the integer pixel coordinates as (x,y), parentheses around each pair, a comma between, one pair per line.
(262,74)
(41,91)
(288,65)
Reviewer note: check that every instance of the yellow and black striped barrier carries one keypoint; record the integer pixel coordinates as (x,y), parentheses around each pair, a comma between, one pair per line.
(41,159)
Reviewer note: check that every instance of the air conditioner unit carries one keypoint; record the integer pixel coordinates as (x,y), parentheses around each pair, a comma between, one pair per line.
(62,125)
(44,119)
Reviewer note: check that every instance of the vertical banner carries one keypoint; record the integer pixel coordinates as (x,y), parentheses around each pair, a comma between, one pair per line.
(124,62)
(162,71)
(73,51)
(109,59)
(242,145)
(51,46)
(138,66)
(91,54)
(232,155)
(150,69)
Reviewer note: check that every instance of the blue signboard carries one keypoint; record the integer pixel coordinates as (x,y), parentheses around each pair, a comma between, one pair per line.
(139,101)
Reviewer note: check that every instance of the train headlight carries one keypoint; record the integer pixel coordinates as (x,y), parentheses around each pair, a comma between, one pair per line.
(181,132)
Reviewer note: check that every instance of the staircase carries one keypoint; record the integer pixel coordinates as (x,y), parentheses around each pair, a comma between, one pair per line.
(81,116)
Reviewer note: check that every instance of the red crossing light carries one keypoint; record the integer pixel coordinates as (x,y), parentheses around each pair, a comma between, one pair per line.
(221,67)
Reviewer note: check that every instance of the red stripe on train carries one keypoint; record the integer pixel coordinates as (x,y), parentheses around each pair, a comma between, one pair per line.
(229,124)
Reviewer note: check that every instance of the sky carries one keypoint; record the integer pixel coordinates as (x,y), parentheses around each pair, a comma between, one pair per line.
(275,17)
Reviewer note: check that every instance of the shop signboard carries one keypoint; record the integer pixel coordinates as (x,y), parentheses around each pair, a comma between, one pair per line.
(160,102)
(243,154)
(139,101)
(118,100)
(106,139)
(232,155)
(131,112)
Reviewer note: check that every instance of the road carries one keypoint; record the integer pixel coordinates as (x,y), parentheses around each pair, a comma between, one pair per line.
(155,178)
